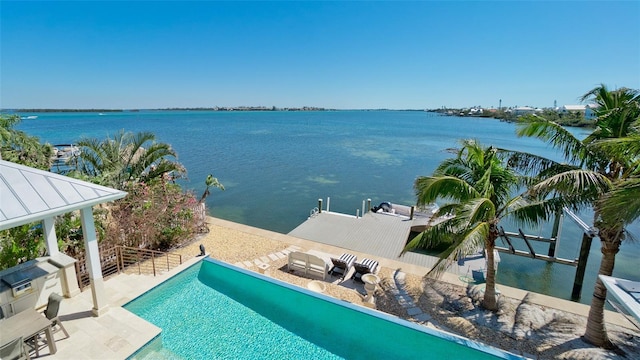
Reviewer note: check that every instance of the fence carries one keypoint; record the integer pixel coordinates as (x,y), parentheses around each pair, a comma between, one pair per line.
(117,259)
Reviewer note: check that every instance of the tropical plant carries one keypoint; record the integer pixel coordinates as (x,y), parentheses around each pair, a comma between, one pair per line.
(24,242)
(598,170)
(155,215)
(623,201)
(20,244)
(127,157)
(479,192)
(17,146)
(210,181)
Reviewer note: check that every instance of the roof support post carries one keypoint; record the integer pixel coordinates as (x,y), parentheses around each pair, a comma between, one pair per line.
(100,305)
(49,227)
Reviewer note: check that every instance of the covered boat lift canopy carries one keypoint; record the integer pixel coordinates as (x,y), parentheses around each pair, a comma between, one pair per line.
(30,195)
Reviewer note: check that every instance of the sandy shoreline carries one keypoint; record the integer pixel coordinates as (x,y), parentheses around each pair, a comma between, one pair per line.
(520,326)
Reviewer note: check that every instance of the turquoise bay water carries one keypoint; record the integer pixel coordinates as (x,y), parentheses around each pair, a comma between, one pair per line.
(276,165)
(211,311)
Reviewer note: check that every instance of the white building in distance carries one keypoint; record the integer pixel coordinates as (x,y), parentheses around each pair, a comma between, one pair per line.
(587,110)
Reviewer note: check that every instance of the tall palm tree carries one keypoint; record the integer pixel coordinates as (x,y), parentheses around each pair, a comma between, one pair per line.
(127,157)
(617,112)
(478,190)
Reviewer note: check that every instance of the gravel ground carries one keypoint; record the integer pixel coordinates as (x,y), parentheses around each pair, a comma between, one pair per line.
(519,327)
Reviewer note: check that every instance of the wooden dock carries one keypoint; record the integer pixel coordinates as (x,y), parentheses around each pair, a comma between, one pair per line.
(379,234)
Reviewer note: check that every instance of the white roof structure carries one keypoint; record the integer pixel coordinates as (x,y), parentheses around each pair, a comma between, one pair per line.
(580,107)
(574,107)
(626,292)
(28,194)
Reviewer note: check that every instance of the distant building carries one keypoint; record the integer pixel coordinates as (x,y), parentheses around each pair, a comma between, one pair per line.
(525,110)
(586,110)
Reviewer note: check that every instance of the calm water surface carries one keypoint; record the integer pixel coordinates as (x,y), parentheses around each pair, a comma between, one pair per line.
(276,165)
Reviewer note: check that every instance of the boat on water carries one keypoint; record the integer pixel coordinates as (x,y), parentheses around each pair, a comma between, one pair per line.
(31,117)
(64,152)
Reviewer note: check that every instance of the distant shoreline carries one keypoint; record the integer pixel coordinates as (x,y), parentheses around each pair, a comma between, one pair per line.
(217,108)
(441,112)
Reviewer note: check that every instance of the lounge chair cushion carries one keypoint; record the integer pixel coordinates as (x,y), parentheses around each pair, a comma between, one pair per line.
(343,264)
(369,264)
(366,266)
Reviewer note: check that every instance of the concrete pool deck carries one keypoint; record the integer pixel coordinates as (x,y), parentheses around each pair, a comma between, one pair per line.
(118,333)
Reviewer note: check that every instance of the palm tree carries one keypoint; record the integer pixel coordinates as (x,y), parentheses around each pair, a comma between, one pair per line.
(595,171)
(478,189)
(127,157)
(210,181)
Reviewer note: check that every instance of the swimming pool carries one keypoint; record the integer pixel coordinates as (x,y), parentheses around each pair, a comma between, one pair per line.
(215,310)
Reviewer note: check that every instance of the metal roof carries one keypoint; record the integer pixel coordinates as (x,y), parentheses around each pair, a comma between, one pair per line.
(28,195)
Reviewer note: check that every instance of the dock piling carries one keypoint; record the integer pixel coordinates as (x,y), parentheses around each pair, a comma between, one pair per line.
(582,266)
(555,234)
(320,206)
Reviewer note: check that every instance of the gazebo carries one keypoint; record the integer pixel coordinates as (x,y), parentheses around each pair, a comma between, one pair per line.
(30,195)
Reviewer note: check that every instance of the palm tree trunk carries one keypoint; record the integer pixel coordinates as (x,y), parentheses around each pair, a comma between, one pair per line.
(489,301)
(596,332)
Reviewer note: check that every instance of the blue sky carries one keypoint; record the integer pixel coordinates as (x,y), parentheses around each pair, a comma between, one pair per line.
(344,55)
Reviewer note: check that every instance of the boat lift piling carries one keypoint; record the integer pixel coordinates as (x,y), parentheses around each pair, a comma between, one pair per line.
(581,262)
(587,237)
(555,233)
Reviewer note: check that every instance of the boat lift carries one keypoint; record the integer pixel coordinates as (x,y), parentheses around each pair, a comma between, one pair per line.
(589,233)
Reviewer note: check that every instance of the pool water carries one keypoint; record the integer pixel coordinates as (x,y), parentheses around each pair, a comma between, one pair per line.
(216,311)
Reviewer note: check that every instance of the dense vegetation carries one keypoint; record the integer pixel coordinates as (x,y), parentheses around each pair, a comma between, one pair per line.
(156,213)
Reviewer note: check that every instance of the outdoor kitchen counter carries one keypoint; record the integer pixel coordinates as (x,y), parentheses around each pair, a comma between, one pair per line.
(28,285)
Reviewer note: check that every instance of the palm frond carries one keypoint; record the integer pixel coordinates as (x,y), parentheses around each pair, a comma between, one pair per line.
(625,151)
(530,212)
(434,235)
(475,211)
(623,202)
(573,183)
(465,244)
(560,138)
(428,189)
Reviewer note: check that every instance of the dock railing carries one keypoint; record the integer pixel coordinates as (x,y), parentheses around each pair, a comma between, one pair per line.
(118,259)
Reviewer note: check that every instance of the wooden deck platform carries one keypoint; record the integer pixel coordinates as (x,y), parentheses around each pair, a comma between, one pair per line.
(379,234)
